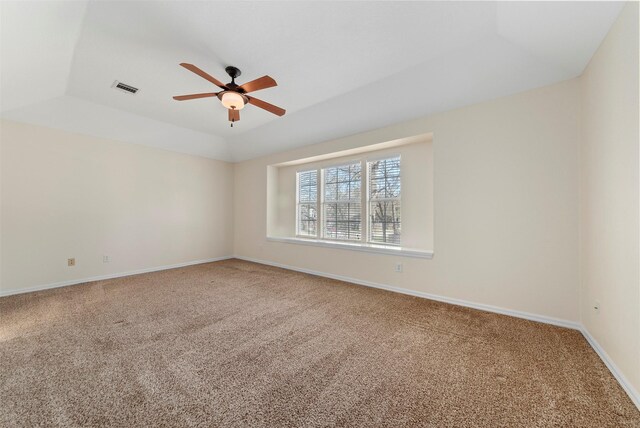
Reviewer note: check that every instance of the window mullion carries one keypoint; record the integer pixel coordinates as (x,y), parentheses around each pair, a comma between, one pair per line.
(364,209)
(297,229)
(319,202)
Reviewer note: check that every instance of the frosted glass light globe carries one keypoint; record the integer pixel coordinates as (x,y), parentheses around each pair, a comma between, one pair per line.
(232,100)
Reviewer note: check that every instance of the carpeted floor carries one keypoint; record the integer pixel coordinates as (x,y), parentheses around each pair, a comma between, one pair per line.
(240,344)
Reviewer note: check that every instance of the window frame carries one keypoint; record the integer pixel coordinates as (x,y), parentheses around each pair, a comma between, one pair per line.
(297,205)
(323,201)
(369,200)
(365,217)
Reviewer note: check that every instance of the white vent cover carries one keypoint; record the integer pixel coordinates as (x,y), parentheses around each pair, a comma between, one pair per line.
(123,87)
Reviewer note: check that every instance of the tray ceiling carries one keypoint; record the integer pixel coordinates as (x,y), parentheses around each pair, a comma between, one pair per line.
(341,67)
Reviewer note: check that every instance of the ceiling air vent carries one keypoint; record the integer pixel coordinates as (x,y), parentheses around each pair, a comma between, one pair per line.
(124,87)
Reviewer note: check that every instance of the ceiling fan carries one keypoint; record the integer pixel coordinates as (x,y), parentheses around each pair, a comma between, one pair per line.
(233,96)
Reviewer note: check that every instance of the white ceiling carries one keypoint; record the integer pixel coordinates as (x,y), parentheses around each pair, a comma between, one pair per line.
(341,67)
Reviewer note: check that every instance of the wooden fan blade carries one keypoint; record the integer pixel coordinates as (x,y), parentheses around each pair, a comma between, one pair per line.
(266,106)
(234,115)
(203,74)
(255,85)
(194,96)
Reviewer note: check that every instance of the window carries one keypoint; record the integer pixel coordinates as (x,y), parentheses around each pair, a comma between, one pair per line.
(307,203)
(341,207)
(384,201)
(342,199)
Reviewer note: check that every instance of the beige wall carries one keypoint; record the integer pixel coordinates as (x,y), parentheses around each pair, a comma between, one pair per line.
(506,183)
(610,257)
(67,195)
(417,192)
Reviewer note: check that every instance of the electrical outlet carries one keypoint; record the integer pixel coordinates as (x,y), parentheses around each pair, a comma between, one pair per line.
(399,267)
(71,262)
(106,259)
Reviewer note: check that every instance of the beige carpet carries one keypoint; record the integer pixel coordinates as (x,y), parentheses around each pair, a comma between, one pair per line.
(240,344)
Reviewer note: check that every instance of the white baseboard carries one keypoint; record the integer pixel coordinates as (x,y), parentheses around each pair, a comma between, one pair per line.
(489,308)
(613,368)
(108,276)
(617,374)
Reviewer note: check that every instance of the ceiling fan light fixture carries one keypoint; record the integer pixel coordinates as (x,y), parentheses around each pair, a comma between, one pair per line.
(232,96)
(232,100)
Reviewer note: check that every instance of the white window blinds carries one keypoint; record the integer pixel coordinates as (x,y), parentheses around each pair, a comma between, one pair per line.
(356,201)
(384,201)
(307,203)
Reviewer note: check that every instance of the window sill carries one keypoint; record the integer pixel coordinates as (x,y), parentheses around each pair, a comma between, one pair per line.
(367,248)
